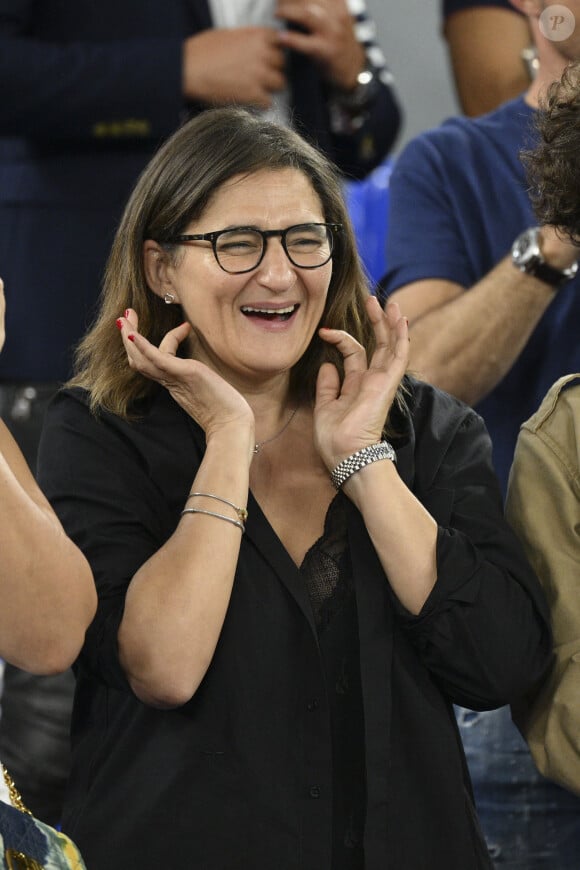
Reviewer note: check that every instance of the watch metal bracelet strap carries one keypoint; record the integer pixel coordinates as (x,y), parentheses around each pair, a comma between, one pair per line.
(360,459)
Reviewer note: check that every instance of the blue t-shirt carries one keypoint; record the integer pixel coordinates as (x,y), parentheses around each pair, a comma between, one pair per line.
(458,199)
(450,6)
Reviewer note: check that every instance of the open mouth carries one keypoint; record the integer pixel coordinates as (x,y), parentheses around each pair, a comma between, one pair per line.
(269,313)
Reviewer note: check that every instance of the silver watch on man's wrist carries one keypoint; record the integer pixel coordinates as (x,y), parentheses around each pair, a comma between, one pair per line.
(364,92)
(527,257)
(349,109)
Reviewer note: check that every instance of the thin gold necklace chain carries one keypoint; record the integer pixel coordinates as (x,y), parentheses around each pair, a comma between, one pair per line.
(259,444)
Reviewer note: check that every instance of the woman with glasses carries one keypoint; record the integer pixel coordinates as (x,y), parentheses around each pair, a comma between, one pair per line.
(299,550)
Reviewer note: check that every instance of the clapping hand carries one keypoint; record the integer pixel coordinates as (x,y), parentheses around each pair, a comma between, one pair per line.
(210,400)
(352,416)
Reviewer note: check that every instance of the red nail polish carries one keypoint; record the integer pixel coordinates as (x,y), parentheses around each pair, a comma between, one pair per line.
(131,337)
(119,323)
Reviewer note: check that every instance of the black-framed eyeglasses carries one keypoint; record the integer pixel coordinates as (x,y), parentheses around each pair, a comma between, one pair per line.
(241,249)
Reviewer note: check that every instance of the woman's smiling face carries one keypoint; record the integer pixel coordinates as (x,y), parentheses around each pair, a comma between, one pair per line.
(234,316)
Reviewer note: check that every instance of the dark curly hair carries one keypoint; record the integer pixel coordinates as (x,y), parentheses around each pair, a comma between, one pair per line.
(553,166)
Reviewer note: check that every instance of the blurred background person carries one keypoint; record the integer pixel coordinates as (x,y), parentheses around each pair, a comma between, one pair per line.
(475,256)
(491,52)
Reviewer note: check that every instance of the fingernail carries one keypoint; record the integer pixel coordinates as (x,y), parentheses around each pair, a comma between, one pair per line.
(131,337)
(119,323)
(127,312)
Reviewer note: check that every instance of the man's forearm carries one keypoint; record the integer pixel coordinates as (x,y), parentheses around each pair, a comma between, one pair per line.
(467,345)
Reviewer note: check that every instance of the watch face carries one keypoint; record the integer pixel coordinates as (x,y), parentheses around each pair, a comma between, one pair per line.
(527,256)
(525,248)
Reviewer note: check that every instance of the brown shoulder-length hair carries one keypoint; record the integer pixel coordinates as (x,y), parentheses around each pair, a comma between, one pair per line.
(173,190)
(553,165)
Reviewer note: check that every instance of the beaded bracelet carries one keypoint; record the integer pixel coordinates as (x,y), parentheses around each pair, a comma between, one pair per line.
(358,460)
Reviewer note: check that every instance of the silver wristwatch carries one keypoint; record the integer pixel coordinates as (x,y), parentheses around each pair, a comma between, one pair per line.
(527,257)
(363,94)
(349,109)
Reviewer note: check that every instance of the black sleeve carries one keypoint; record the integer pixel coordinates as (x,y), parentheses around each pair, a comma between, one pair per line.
(105,488)
(484,631)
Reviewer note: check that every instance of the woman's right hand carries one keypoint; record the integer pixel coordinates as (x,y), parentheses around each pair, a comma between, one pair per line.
(184,572)
(209,399)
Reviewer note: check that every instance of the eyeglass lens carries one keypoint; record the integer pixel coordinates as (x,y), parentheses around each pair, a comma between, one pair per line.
(307,246)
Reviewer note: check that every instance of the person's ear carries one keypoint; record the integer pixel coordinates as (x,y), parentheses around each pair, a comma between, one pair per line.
(158,270)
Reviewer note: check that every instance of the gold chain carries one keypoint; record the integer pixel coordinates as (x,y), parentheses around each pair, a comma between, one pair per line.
(13,792)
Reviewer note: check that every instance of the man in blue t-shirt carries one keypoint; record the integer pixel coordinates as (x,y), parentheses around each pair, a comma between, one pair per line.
(458,201)
(496,333)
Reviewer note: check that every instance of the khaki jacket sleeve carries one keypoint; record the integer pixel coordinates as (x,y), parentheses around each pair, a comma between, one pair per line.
(543,506)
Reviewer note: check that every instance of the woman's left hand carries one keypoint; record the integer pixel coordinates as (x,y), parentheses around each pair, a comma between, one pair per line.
(352,416)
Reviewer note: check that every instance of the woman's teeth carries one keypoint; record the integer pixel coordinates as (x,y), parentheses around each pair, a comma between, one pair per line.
(269,312)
